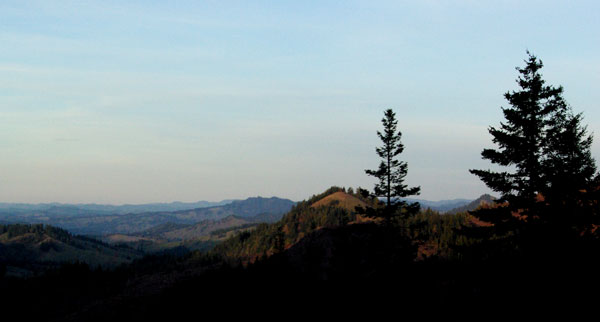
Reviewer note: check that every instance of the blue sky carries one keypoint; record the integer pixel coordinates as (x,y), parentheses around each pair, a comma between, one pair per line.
(147,101)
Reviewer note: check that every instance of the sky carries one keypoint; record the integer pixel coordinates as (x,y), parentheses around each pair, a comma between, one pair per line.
(157,101)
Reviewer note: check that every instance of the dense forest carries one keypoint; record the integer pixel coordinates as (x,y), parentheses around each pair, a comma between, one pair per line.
(289,251)
(537,245)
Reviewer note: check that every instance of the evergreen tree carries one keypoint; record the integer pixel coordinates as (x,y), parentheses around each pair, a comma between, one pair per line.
(391,171)
(547,151)
(571,198)
(521,138)
(541,140)
(569,163)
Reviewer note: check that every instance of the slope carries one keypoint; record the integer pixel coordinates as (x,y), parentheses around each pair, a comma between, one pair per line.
(25,249)
(333,208)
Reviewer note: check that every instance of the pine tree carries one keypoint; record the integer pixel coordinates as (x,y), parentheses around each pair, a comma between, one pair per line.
(547,153)
(521,138)
(571,197)
(569,163)
(392,172)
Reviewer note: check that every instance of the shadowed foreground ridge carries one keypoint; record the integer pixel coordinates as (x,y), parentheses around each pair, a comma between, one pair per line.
(308,257)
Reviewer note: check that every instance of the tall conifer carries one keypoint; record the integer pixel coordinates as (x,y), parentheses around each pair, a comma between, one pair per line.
(392,172)
(521,138)
(545,151)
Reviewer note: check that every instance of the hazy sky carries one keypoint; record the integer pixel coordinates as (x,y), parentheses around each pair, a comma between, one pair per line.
(151,101)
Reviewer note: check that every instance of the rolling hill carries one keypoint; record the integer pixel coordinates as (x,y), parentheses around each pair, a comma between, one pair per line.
(333,208)
(203,228)
(200,236)
(25,249)
(320,245)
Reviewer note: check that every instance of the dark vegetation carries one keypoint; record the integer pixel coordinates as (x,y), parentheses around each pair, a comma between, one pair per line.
(27,250)
(352,250)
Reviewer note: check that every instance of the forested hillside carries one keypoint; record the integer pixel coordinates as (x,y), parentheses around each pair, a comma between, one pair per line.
(32,249)
(171,237)
(327,249)
(333,208)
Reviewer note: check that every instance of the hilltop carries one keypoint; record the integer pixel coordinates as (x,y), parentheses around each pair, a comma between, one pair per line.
(340,199)
(333,208)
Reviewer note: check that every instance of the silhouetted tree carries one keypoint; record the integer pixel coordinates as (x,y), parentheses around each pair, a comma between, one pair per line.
(391,171)
(569,164)
(570,201)
(547,153)
(521,139)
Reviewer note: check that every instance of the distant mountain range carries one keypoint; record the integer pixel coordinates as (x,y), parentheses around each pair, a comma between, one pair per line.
(61,209)
(483,199)
(442,205)
(98,219)
(90,222)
